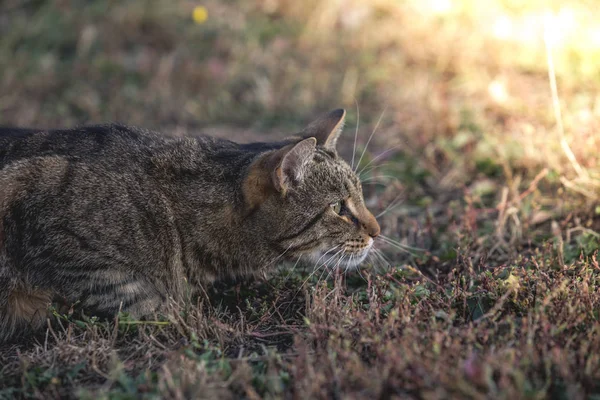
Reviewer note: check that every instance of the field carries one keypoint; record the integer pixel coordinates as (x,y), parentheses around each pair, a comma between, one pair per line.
(477,142)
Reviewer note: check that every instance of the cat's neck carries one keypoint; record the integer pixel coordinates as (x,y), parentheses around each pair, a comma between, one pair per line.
(205,188)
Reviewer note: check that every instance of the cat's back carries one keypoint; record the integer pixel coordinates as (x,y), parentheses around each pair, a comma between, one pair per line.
(100,142)
(81,189)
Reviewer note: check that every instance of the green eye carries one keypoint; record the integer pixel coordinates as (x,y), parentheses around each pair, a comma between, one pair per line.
(337,207)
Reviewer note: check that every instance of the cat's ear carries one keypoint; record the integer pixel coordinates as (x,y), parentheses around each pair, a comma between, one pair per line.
(327,129)
(277,171)
(293,163)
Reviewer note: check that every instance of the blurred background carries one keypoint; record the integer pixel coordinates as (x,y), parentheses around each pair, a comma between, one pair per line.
(478,146)
(458,90)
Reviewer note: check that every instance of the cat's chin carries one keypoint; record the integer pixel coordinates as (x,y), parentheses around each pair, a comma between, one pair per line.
(355,261)
(346,261)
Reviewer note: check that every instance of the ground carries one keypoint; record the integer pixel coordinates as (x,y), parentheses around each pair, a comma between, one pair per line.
(484,175)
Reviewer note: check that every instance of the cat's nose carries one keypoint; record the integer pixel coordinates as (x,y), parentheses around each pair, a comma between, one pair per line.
(374,230)
(371,226)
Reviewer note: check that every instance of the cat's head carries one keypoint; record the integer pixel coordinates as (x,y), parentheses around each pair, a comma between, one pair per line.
(307,201)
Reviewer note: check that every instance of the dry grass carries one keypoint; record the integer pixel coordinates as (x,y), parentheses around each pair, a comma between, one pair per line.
(528,330)
(484,170)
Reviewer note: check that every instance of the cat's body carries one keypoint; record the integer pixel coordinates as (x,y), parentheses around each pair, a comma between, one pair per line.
(118,218)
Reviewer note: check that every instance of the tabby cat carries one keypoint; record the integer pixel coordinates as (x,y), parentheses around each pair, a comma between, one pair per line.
(119,218)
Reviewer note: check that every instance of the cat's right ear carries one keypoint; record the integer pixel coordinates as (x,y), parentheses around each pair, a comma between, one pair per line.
(327,129)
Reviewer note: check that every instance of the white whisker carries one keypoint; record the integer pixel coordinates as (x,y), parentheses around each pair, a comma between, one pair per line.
(370,137)
(355,133)
(401,244)
(335,267)
(324,265)
(394,203)
(324,254)
(328,267)
(292,270)
(273,261)
(383,259)
(375,178)
(312,273)
(402,247)
(375,258)
(386,184)
(377,158)
(372,167)
(358,269)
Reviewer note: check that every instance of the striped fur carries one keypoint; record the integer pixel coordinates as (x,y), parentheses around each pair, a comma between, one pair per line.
(118,218)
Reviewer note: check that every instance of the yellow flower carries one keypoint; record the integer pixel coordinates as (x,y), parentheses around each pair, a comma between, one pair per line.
(200,14)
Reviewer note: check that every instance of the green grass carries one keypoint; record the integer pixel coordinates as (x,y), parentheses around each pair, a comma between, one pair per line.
(489,288)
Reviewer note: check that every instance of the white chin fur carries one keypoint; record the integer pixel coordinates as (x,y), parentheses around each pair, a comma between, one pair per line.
(352,262)
(333,259)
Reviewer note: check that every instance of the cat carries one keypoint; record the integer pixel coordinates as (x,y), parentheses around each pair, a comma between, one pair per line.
(118,218)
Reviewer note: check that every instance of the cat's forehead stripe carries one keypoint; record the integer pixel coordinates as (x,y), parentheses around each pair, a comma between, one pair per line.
(349,179)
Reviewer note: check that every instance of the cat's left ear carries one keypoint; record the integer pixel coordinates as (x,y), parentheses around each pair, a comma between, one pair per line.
(327,129)
(293,165)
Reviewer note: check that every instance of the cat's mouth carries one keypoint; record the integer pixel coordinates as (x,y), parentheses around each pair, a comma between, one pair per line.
(355,256)
(347,256)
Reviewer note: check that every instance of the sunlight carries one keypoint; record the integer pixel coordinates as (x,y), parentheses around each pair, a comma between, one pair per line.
(440,6)
(503,28)
(497,91)
(434,7)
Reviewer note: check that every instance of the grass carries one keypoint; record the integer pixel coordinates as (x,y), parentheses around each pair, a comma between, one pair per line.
(487,285)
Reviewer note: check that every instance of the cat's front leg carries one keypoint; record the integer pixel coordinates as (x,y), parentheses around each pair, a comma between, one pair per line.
(136,296)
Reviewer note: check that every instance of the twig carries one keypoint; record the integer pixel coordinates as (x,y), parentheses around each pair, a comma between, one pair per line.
(534,183)
(581,172)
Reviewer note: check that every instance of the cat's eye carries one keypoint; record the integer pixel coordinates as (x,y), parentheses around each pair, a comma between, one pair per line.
(337,206)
